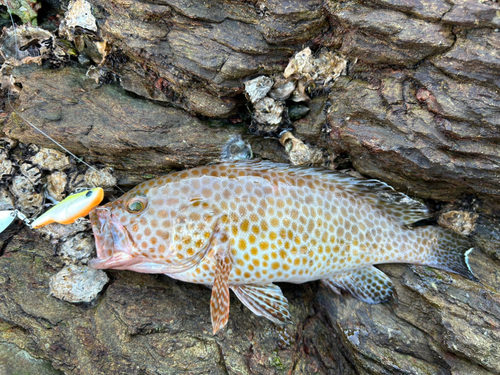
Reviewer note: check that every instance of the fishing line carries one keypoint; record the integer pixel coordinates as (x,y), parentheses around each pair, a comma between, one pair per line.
(29,123)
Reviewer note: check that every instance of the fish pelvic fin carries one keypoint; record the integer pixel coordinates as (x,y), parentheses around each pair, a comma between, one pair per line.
(450,251)
(368,284)
(219,302)
(265,300)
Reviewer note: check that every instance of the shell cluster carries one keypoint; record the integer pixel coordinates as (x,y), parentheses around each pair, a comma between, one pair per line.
(77,36)
(77,283)
(279,100)
(27,44)
(30,178)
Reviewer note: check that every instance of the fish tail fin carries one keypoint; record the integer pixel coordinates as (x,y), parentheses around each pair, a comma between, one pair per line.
(450,252)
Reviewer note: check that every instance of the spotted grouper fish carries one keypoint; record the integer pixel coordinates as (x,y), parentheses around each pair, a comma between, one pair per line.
(246,225)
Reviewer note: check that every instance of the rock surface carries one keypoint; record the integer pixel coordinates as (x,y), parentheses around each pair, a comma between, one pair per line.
(418,109)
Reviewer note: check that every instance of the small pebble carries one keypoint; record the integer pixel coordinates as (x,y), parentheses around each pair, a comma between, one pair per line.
(77,283)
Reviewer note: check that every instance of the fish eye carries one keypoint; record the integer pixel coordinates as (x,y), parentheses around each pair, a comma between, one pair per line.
(136,205)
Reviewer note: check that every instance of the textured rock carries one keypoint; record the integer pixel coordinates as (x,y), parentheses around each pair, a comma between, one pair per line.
(473,13)
(417,109)
(198,54)
(436,137)
(380,36)
(111,126)
(475,55)
(433,10)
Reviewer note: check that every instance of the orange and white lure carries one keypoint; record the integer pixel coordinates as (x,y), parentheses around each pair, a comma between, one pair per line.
(71,208)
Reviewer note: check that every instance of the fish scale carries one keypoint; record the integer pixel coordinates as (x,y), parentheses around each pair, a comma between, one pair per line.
(246,225)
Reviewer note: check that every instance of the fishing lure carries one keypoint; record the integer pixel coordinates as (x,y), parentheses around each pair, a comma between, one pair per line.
(71,208)
(65,212)
(245,225)
(6,218)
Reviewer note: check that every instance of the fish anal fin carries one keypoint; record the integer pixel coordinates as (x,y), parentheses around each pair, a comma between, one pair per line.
(366,284)
(219,302)
(264,300)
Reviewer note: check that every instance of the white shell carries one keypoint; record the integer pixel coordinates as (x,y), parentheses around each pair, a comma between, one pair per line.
(28,200)
(80,14)
(268,111)
(258,88)
(327,67)
(100,178)
(79,247)
(282,92)
(50,159)
(77,283)
(56,184)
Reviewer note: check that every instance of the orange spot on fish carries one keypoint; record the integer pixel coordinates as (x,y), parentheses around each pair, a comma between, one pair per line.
(242,244)
(244,225)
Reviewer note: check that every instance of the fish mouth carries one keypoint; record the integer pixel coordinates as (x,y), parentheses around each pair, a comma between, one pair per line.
(113,242)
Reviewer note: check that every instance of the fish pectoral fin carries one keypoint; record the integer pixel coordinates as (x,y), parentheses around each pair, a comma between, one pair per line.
(366,284)
(219,302)
(264,300)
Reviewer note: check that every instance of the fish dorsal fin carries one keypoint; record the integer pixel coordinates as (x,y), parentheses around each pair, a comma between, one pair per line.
(264,300)
(366,284)
(398,205)
(219,302)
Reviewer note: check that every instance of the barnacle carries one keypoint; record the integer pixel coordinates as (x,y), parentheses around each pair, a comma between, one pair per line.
(326,67)
(6,165)
(258,88)
(298,152)
(27,44)
(100,178)
(461,222)
(77,283)
(32,172)
(56,185)
(61,231)
(78,248)
(28,200)
(268,111)
(75,179)
(301,63)
(6,201)
(50,159)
